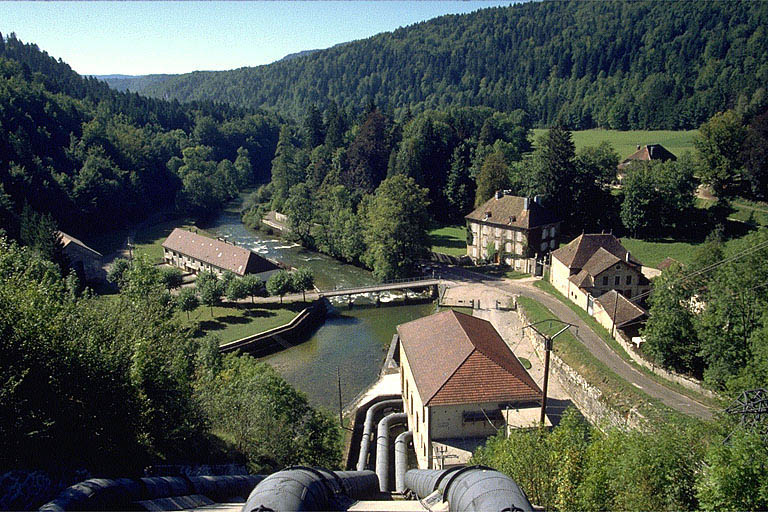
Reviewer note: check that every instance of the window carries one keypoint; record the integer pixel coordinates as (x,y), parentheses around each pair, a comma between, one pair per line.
(617,280)
(410,403)
(544,233)
(552,231)
(552,243)
(544,246)
(605,280)
(519,236)
(629,279)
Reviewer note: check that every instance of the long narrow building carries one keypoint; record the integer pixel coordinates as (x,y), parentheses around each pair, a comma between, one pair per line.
(197,253)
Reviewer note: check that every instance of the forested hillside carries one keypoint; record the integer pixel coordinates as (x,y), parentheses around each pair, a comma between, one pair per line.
(620,65)
(95,158)
(131,83)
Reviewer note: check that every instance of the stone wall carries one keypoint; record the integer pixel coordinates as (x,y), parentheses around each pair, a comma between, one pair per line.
(683,380)
(273,340)
(586,397)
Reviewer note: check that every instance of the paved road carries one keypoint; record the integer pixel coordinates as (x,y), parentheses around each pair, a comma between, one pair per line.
(591,341)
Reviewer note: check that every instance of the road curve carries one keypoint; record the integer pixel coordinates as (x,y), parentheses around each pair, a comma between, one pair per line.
(596,346)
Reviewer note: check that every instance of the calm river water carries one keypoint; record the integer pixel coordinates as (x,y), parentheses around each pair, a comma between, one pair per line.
(354,341)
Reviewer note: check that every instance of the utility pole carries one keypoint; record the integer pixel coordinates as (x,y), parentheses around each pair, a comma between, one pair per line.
(547,349)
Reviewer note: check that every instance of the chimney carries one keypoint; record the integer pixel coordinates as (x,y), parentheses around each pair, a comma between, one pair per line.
(488,214)
(526,203)
(537,200)
(627,257)
(499,194)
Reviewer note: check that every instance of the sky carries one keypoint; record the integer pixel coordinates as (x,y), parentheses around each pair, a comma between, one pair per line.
(138,38)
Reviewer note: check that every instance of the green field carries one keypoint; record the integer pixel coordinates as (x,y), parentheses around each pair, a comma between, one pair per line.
(625,143)
(149,239)
(231,323)
(450,240)
(652,253)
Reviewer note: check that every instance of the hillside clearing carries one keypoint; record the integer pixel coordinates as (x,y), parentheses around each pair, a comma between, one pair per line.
(625,142)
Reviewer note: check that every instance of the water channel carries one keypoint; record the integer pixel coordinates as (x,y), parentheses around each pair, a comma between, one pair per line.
(353,340)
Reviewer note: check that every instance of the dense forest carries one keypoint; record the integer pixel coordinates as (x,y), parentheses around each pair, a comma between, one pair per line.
(669,466)
(621,65)
(95,158)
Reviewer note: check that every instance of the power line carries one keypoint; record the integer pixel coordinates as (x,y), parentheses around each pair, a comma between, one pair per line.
(706,269)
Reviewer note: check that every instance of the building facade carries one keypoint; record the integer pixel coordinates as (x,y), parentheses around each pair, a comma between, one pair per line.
(460,382)
(196,253)
(511,229)
(593,264)
(86,262)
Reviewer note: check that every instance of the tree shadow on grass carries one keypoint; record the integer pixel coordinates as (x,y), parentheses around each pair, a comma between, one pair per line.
(447,241)
(210,325)
(233,319)
(259,313)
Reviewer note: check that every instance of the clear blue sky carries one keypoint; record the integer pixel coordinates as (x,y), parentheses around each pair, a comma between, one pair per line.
(137,38)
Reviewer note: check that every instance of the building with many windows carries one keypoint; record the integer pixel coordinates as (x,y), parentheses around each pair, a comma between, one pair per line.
(512,230)
(594,264)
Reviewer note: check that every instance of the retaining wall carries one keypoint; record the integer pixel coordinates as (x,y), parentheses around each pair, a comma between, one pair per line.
(684,380)
(586,397)
(285,336)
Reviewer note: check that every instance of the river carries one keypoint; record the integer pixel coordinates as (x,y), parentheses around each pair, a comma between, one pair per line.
(354,341)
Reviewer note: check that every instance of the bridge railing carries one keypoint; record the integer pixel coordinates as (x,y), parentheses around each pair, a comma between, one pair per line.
(405,280)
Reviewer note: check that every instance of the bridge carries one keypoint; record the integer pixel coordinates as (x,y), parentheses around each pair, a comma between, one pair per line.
(398,284)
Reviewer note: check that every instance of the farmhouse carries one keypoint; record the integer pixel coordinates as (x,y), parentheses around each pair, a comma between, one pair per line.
(85,261)
(460,383)
(197,253)
(511,229)
(644,154)
(593,264)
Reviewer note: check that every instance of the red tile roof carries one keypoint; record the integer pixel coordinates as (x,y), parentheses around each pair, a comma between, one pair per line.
(578,252)
(219,254)
(456,358)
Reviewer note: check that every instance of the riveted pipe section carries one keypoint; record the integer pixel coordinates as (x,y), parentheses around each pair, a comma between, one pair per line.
(303,488)
(382,448)
(370,414)
(470,489)
(401,459)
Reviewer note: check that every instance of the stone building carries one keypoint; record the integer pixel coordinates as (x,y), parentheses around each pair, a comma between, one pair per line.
(514,228)
(85,261)
(195,253)
(460,384)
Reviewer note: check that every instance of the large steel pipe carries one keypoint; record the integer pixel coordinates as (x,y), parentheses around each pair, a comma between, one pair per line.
(382,448)
(470,489)
(303,488)
(401,459)
(365,441)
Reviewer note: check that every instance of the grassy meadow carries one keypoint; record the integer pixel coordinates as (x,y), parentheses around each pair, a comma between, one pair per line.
(450,240)
(230,322)
(625,142)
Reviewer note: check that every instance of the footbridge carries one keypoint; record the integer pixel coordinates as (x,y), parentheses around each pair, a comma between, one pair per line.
(398,284)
